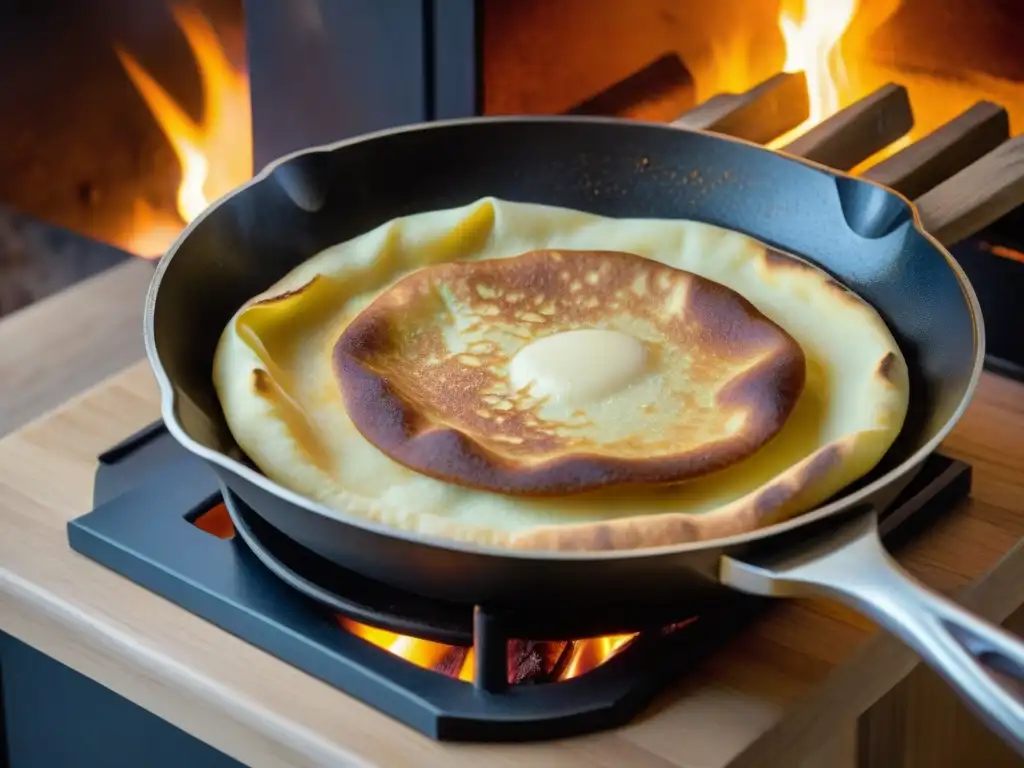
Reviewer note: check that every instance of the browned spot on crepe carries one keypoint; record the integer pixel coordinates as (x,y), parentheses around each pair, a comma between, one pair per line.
(778,261)
(451,414)
(887,367)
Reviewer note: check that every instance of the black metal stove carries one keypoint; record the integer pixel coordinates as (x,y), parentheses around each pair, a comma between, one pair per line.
(161,520)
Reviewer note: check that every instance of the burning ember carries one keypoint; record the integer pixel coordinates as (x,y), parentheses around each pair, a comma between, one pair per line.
(215,154)
(528,661)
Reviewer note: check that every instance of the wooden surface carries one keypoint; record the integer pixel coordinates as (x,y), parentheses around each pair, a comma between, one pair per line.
(784,694)
(920,724)
(994,185)
(927,162)
(855,133)
(774,693)
(64,344)
(760,114)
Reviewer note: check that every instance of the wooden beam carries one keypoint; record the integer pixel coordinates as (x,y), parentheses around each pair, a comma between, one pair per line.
(950,148)
(766,111)
(855,133)
(981,193)
(656,92)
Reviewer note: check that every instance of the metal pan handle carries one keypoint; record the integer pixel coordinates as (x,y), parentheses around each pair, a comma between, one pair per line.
(852,567)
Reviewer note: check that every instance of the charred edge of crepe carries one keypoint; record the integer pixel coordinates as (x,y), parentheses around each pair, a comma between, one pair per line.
(278,298)
(770,389)
(670,529)
(777,260)
(889,367)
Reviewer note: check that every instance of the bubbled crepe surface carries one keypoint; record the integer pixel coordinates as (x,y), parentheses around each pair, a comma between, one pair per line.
(273,375)
(424,372)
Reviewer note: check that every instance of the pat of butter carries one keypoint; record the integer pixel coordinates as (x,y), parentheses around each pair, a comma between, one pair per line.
(578,367)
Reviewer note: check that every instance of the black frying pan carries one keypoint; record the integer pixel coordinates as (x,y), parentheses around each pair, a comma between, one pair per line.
(863,234)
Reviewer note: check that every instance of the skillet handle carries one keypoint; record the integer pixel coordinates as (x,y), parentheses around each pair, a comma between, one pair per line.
(852,567)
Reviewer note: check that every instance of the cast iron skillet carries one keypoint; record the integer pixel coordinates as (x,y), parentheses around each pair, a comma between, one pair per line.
(866,236)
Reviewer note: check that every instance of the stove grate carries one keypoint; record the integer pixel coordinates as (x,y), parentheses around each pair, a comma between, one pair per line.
(227,583)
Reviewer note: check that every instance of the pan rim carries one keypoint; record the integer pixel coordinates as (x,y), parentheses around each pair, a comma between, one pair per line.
(169,400)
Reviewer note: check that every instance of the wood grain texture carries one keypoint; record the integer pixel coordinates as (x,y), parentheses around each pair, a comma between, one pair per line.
(855,133)
(799,676)
(760,114)
(943,152)
(785,693)
(976,196)
(64,344)
(921,724)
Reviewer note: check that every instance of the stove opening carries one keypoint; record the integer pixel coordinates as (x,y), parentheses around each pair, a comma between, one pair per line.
(213,518)
(124,119)
(528,661)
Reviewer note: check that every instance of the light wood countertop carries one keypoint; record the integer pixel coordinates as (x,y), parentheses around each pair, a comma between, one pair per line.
(800,673)
(68,342)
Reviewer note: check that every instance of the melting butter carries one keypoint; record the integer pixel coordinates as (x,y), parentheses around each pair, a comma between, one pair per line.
(578,367)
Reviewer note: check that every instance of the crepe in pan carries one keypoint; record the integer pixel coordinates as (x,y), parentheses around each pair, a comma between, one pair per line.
(557,372)
(275,377)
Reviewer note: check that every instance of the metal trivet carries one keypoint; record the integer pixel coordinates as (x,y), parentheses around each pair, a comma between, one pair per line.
(268,590)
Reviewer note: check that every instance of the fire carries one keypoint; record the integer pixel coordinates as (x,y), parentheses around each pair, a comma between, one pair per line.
(552,661)
(812,46)
(215,153)
(814,35)
(590,654)
(581,655)
(830,41)
(573,658)
(423,653)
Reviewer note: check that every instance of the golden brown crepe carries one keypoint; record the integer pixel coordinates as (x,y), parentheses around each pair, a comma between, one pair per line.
(274,376)
(557,372)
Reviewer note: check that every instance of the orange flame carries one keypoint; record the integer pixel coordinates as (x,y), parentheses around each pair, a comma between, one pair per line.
(423,653)
(585,655)
(215,154)
(822,40)
(813,47)
(1004,251)
(590,654)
